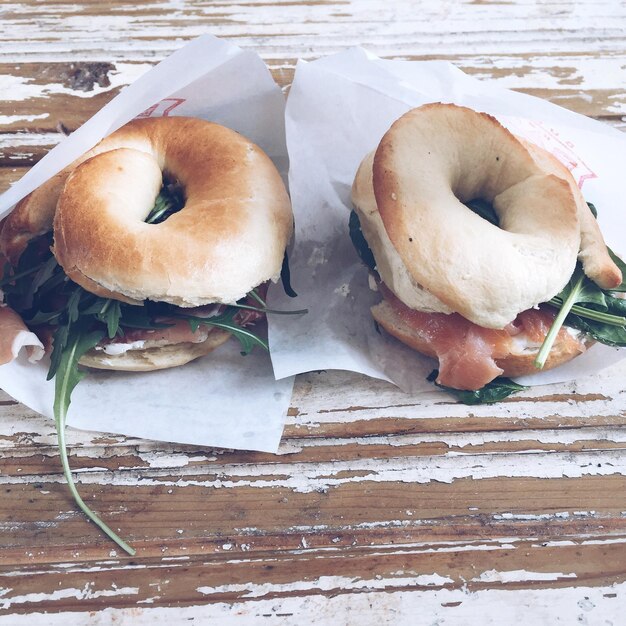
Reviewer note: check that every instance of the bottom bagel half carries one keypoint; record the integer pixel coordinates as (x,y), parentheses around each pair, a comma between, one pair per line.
(151,357)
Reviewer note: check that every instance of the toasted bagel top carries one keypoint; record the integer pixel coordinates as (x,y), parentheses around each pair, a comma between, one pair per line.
(229,237)
(431,161)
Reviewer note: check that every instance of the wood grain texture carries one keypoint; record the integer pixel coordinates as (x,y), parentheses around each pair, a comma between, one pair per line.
(379,507)
(524,495)
(60,62)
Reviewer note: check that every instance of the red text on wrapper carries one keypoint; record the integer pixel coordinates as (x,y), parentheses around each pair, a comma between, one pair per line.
(550,140)
(162,108)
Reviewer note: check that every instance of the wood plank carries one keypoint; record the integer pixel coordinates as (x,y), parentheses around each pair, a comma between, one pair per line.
(311,485)
(41,100)
(56,29)
(545,52)
(231,579)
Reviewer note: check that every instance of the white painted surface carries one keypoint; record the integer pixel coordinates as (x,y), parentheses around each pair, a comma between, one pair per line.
(588,606)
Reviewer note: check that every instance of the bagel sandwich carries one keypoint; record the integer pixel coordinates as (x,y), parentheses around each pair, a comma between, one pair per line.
(480,243)
(147,252)
(159,243)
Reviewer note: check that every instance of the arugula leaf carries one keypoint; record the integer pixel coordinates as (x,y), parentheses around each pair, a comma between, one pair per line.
(42,276)
(494,391)
(110,313)
(255,295)
(140,317)
(225,321)
(615,305)
(584,305)
(604,333)
(569,297)
(61,336)
(264,309)
(9,276)
(588,291)
(610,317)
(68,376)
(360,243)
(169,201)
(285,277)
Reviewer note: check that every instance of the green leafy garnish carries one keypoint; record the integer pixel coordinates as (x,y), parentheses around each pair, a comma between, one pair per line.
(111,313)
(169,201)
(569,297)
(360,243)
(80,340)
(285,277)
(264,309)
(494,391)
(587,307)
(225,321)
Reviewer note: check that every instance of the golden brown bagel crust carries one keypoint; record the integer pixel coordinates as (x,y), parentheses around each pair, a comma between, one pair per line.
(156,358)
(34,214)
(31,217)
(514,364)
(438,156)
(229,237)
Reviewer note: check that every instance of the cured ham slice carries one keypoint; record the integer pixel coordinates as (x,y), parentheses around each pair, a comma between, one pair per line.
(14,335)
(178,330)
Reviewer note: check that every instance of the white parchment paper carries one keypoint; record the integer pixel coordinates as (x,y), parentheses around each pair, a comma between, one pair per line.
(222,399)
(338,109)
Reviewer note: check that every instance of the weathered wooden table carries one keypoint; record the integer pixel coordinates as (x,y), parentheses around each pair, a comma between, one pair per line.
(379,508)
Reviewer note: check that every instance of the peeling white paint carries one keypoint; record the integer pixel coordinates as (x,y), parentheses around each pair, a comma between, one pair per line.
(11,119)
(420,607)
(308,477)
(532,517)
(326,583)
(20,88)
(86,593)
(520,575)
(159,459)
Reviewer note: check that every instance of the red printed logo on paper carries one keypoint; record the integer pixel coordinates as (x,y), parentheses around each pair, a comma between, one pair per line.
(550,140)
(162,109)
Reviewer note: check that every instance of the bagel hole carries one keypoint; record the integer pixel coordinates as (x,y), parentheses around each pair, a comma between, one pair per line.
(170,200)
(483,209)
